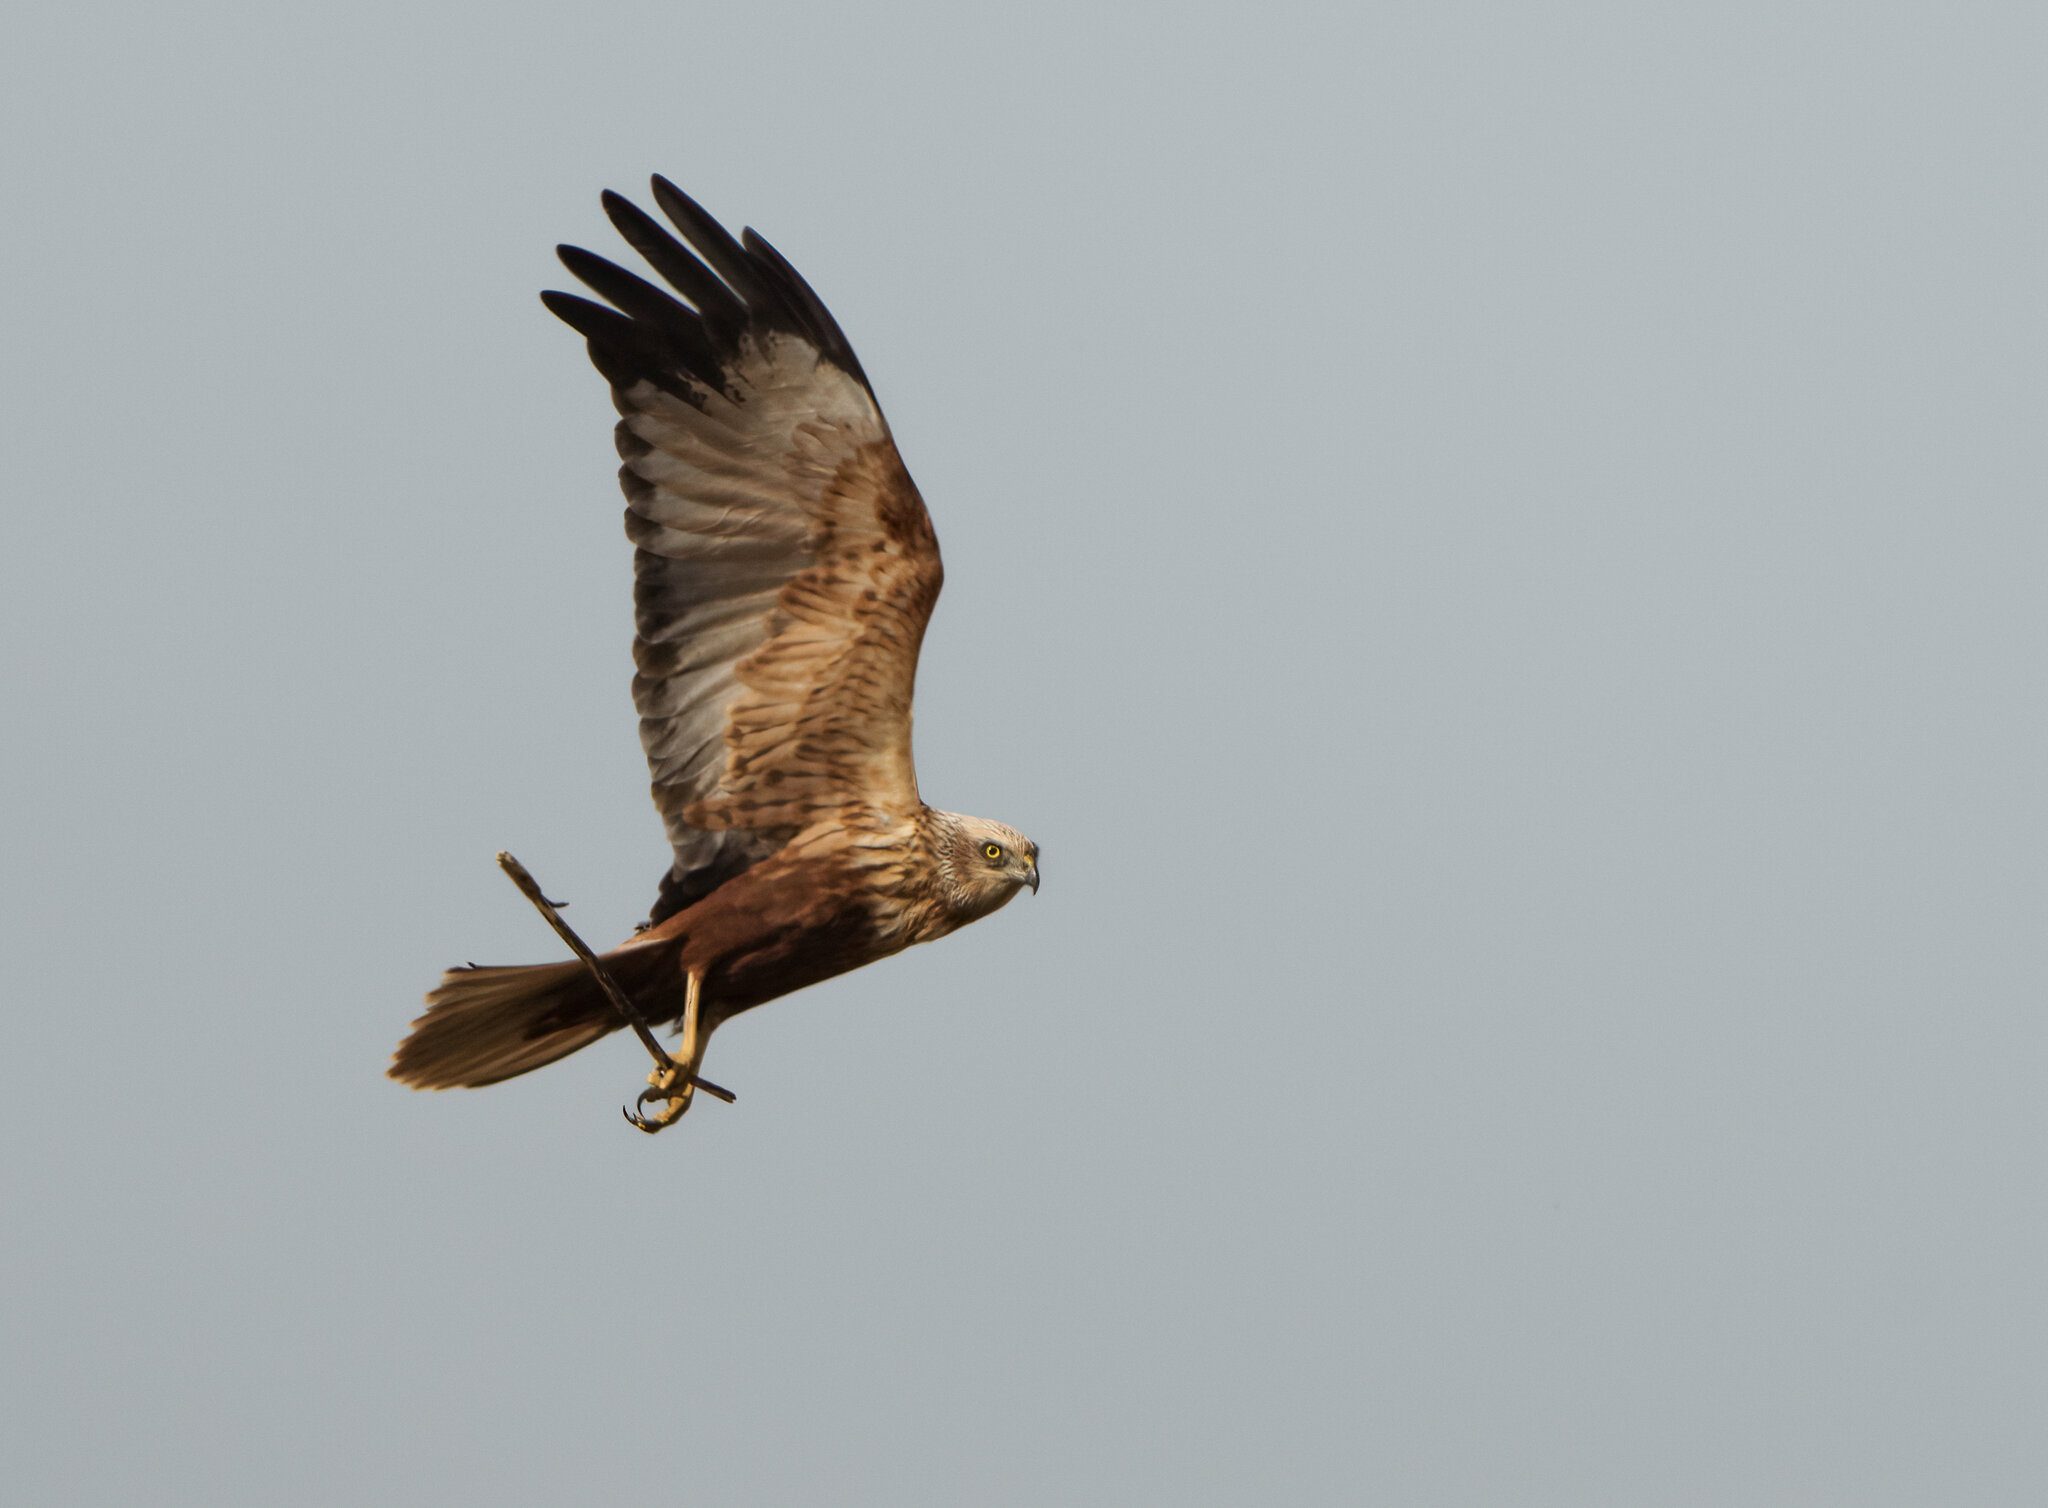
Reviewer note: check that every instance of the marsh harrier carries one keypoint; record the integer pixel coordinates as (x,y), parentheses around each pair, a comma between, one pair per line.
(784,570)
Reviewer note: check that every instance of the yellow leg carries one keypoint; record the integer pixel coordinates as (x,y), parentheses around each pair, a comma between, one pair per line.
(675,1083)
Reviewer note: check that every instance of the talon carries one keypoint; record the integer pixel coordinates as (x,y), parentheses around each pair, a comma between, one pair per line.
(642,1123)
(662,1119)
(673,1085)
(661,1090)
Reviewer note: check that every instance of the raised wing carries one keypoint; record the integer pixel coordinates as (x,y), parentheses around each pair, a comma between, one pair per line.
(785,566)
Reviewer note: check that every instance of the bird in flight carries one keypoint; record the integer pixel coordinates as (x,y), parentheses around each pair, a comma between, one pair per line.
(784,570)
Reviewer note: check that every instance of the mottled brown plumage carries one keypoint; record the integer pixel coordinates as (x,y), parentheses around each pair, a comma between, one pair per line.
(784,570)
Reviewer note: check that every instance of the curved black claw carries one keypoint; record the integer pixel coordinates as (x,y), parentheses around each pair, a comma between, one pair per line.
(673,1104)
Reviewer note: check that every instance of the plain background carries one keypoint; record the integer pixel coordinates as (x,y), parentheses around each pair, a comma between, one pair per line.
(1497,548)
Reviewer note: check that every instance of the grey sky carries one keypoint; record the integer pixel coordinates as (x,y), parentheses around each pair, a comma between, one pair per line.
(1496,548)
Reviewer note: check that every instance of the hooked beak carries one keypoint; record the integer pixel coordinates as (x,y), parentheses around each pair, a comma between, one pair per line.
(1033,881)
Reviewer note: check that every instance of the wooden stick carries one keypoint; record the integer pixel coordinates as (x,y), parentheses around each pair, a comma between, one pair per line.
(530,888)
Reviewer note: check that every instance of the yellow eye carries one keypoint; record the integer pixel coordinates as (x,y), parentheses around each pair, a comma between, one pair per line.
(993,851)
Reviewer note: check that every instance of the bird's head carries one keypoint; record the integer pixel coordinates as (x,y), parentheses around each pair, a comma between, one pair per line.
(982,864)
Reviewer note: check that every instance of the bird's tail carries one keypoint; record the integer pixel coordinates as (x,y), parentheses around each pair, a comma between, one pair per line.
(486,1024)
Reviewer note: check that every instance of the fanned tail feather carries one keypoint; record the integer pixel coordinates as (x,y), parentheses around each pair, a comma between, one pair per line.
(483,1025)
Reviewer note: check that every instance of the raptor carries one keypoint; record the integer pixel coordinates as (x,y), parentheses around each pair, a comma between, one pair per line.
(784,571)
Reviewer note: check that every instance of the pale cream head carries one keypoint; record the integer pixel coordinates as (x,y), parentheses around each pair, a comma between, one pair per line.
(982,864)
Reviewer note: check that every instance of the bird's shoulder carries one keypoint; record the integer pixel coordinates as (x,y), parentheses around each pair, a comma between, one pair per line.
(863,861)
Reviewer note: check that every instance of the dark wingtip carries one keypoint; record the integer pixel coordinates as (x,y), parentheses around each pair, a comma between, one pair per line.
(729,284)
(805,305)
(568,308)
(715,244)
(582,264)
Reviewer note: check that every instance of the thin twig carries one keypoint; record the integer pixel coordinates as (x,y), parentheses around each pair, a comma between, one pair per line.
(621,1002)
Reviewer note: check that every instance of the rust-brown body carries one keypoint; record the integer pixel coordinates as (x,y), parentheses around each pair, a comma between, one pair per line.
(814,911)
